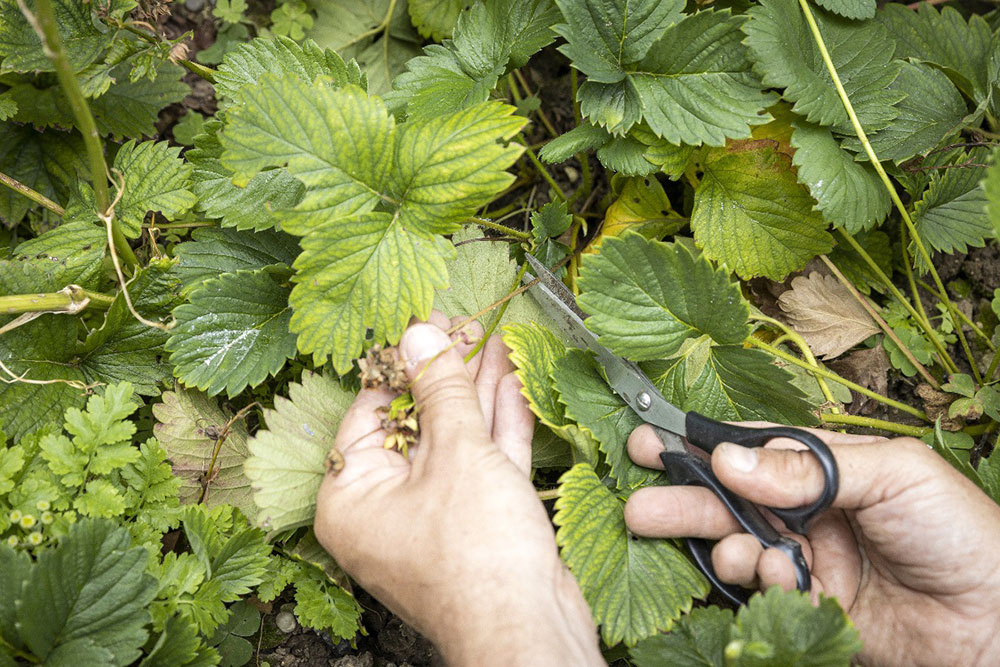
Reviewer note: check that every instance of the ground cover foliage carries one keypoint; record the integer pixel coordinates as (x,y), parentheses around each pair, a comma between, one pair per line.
(755,201)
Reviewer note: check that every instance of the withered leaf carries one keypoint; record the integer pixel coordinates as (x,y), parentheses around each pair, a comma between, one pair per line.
(826,315)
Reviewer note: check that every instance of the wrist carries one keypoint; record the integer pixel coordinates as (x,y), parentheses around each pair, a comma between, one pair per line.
(545,622)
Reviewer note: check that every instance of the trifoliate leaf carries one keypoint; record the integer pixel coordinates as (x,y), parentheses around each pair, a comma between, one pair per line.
(92,586)
(233,333)
(698,639)
(951,215)
(642,207)
(733,384)
(376,33)
(591,403)
(961,48)
(21,48)
(244,65)
(695,86)
(646,298)
(583,137)
(436,18)
(848,193)
(249,207)
(825,314)
(482,273)
(635,586)
(213,251)
(156,179)
(48,162)
(797,632)
(786,56)
(369,269)
(852,9)
(188,426)
(932,110)
(752,215)
(604,36)
(287,462)
(534,351)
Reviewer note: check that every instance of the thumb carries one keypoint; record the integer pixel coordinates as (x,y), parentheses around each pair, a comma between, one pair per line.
(869,472)
(442,388)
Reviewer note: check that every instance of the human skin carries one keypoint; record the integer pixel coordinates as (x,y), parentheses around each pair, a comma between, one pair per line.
(454,540)
(910,547)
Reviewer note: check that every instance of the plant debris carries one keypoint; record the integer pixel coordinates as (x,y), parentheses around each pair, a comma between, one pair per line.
(382,367)
(399,420)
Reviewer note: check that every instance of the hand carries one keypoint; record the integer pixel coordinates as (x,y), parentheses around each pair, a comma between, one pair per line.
(910,546)
(455,540)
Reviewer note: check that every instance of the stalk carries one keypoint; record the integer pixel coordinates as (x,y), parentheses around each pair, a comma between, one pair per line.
(880,424)
(37,197)
(70,299)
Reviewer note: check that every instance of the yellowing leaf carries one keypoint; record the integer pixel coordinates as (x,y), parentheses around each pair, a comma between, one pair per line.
(188,425)
(826,315)
(635,586)
(643,207)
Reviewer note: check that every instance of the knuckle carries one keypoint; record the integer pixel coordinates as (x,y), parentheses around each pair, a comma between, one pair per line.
(441,392)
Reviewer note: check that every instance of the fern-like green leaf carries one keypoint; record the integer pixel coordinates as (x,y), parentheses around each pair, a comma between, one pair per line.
(646,298)
(635,586)
(786,56)
(155,179)
(848,193)
(361,268)
(233,333)
(287,462)
(751,214)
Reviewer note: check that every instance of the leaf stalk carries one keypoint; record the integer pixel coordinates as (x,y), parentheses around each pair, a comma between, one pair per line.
(70,299)
(37,197)
(880,424)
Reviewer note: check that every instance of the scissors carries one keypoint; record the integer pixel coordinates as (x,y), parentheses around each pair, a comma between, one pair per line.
(672,425)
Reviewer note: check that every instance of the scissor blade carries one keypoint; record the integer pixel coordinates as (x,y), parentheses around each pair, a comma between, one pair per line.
(624,377)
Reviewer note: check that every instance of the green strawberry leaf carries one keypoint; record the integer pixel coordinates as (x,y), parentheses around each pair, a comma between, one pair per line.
(848,193)
(214,251)
(698,639)
(21,49)
(48,162)
(751,214)
(786,56)
(991,187)
(233,333)
(436,18)
(851,9)
(951,215)
(75,250)
(287,461)
(155,179)
(646,298)
(635,586)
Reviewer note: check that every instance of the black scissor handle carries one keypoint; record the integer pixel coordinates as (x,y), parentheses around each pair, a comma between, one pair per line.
(706,434)
(689,469)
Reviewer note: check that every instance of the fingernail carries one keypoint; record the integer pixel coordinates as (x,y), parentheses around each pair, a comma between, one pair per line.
(422,341)
(743,459)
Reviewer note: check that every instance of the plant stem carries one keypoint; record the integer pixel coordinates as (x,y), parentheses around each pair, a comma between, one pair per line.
(946,359)
(800,342)
(538,112)
(489,224)
(860,298)
(881,424)
(968,322)
(830,375)
(70,299)
(496,320)
(37,197)
(543,171)
(45,25)
(870,152)
(548,494)
(993,367)
(206,73)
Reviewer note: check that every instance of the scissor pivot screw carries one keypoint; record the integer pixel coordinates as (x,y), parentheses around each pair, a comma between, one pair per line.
(643,401)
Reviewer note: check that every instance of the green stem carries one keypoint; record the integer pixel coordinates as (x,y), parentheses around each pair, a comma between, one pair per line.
(925,325)
(880,424)
(890,188)
(793,335)
(489,224)
(543,171)
(45,26)
(965,318)
(830,375)
(71,299)
(993,366)
(206,73)
(37,197)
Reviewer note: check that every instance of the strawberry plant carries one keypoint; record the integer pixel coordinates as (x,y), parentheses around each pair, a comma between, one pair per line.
(760,203)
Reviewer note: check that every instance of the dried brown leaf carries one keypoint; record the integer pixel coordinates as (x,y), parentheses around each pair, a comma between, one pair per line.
(825,314)
(870,369)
